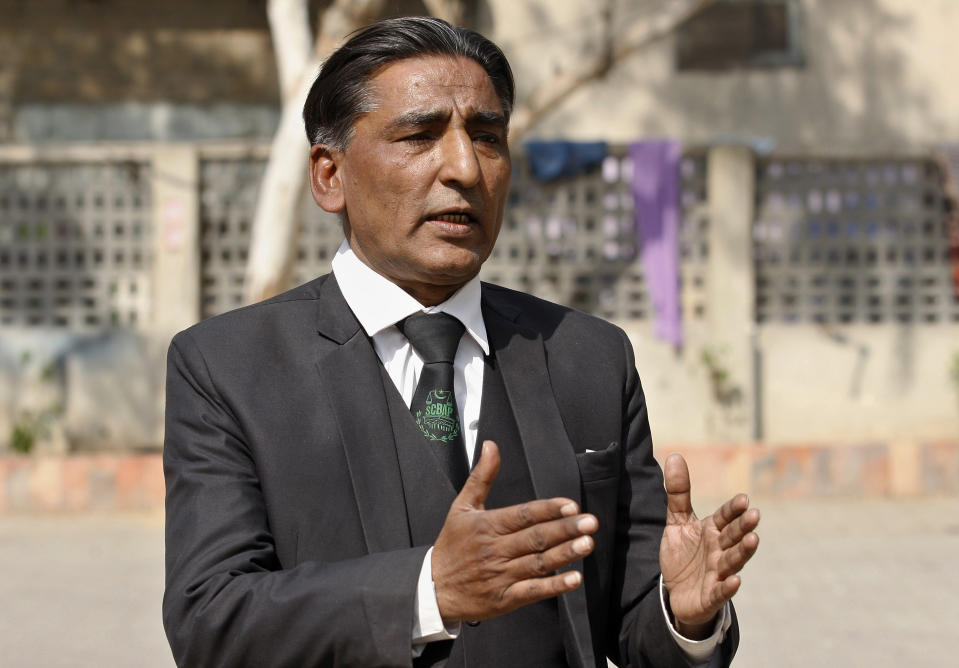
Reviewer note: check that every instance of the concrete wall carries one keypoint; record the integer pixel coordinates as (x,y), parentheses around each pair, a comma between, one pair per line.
(123,70)
(858,383)
(787,384)
(104,387)
(118,70)
(790,383)
(877,79)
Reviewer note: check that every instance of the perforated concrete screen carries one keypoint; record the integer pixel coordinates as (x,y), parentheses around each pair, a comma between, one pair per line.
(852,241)
(572,241)
(228,190)
(835,241)
(75,245)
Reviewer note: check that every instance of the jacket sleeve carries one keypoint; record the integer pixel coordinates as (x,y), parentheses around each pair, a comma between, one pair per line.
(644,639)
(227,601)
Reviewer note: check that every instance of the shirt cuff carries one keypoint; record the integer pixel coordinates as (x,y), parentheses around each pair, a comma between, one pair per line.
(698,652)
(428,624)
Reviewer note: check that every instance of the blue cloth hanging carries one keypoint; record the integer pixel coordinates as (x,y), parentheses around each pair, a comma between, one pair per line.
(552,160)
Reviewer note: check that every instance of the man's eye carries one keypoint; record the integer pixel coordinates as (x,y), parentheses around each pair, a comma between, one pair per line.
(488,138)
(419,136)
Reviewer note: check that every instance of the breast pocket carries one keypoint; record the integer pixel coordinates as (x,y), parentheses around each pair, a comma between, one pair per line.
(599,475)
(596,466)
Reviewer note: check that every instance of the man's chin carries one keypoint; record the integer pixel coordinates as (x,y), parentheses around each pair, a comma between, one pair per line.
(453,265)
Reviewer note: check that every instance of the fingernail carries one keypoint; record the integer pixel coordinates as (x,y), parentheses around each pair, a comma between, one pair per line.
(582,545)
(586,524)
(569,509)
(572,579)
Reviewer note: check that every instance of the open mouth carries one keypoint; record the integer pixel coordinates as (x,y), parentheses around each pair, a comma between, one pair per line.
(458,218)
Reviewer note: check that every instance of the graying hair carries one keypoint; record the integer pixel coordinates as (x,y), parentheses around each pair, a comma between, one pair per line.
(340,93)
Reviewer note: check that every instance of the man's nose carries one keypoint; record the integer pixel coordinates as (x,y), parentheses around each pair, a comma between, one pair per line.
(460,165)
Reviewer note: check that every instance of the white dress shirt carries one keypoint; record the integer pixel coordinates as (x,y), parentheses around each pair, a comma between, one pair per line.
(378,305)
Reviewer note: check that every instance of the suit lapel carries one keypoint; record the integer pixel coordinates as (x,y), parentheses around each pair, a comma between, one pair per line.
(349,373)
(549,453)
(522,361)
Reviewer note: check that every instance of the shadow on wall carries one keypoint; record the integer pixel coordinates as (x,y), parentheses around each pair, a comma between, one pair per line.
(120,71)
(854,90)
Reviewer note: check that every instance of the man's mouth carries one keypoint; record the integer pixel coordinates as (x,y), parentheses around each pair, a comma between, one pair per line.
(459,218)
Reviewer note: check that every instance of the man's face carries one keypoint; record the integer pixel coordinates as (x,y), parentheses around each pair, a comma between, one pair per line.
(425,178)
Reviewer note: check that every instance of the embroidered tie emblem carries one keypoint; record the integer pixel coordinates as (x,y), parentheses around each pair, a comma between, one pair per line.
(435,337)
(438,419)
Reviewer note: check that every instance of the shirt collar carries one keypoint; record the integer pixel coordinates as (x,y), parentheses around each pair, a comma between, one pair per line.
(378,303)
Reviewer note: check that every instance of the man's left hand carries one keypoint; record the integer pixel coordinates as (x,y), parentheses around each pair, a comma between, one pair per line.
(700,558)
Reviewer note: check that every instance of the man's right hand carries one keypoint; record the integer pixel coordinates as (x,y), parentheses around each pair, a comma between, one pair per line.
(489,562)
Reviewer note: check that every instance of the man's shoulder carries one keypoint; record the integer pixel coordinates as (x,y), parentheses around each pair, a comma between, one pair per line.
(582,350)
(282,310)
(548,317)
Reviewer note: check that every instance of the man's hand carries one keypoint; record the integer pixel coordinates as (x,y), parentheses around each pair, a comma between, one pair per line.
(489,562)
(700,558)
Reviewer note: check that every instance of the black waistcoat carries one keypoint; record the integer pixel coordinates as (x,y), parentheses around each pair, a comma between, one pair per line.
(531,636)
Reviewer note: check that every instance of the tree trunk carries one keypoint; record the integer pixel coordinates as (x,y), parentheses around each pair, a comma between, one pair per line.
(274,232)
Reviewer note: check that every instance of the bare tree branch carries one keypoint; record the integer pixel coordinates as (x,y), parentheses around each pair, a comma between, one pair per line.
(553,92)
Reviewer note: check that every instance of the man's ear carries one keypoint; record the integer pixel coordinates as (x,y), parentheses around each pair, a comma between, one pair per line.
(325,182)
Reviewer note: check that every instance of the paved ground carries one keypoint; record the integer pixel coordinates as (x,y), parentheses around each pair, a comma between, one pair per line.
(839,583)
(82,591)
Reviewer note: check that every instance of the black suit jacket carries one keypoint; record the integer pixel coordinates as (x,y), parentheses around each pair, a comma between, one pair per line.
(288,539)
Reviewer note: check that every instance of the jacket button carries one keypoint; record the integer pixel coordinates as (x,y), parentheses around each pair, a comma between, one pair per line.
(474,624)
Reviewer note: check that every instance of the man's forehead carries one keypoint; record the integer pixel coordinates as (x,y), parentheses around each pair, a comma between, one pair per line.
(424,83)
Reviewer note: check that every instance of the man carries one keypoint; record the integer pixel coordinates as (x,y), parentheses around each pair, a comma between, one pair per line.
(317,443)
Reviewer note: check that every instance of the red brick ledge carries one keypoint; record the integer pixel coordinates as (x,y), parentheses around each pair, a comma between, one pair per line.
(71,483)
(823,470)
(134,482)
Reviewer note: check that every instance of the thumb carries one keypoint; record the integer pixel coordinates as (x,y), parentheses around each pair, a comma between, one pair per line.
(477,486)
(676,475)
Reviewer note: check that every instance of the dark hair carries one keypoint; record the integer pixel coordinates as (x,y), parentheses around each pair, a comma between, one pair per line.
(340,93)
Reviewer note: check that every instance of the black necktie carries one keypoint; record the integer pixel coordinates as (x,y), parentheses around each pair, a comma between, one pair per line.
(435,337)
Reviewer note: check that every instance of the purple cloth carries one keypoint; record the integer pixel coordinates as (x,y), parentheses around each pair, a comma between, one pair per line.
(656,196)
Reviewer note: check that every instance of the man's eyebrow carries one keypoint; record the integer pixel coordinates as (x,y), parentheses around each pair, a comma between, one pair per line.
(416,119)
(487,118)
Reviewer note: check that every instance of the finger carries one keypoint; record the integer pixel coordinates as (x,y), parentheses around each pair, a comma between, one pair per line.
(735,530)
(477,485)
(733,559)
(730,510)
(524,515)
(532,590)
(725,590)
(720,593)
(540,564)
(676,475)
(547,535)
